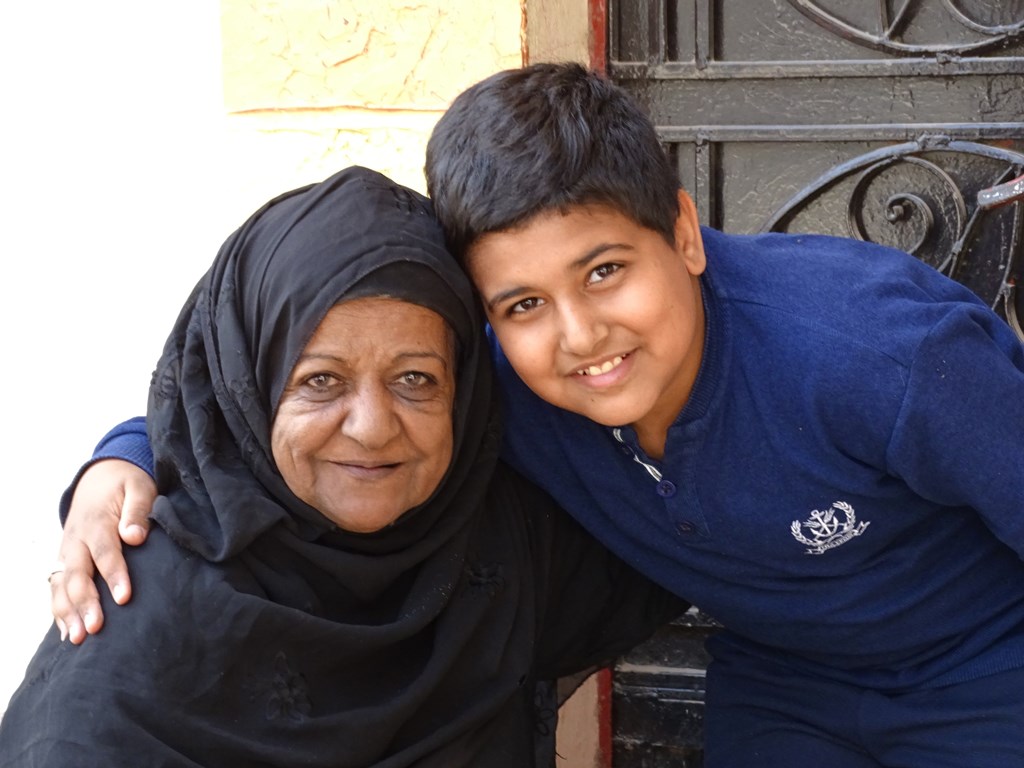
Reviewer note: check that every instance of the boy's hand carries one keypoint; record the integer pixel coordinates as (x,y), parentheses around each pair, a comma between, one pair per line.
(112,497)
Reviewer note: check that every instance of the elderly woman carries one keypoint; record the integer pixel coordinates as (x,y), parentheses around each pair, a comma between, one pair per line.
(342,573)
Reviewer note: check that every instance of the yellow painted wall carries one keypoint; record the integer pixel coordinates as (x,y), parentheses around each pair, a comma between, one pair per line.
(313,85)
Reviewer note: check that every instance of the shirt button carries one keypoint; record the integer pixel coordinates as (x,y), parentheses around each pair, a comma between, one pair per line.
(666,488)
(687,527)
(626,450)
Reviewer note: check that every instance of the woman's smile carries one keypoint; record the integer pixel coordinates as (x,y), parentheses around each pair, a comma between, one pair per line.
(368,470)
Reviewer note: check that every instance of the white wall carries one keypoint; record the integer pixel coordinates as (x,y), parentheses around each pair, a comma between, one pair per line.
(114,195)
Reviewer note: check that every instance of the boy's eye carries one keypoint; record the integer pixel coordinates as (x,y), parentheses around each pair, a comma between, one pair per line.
(597,274)
(524,306)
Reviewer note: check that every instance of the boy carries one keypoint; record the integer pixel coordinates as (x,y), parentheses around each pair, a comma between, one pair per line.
(816,440)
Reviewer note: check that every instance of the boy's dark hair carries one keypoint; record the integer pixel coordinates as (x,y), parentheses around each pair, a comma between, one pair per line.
(546,137)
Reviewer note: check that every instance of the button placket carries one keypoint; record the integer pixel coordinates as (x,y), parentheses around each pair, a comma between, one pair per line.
(692,524)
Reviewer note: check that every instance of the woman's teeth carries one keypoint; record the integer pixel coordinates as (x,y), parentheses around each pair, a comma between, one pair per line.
(597,370)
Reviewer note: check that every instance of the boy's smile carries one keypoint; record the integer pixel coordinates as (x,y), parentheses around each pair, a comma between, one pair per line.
(597,314)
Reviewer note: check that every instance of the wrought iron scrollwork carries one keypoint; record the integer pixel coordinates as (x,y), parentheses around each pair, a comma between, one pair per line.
(894,30)
(926,222)
(949,203)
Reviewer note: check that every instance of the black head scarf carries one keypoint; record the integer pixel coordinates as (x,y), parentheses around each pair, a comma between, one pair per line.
(225,365)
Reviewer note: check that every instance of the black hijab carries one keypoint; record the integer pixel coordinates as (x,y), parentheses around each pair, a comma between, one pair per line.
(259,634)
(381,600)
(225,365)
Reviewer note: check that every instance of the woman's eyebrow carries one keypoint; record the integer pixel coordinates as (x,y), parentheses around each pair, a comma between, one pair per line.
(436,355)
(400,356)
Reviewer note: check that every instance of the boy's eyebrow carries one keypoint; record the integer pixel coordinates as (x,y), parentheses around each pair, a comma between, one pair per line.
(593,253)
(573,266)
(501,298)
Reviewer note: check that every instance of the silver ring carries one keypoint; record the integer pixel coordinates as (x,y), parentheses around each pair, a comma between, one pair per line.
(58,568)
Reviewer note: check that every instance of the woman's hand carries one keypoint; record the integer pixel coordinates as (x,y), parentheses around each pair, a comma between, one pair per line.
(113,498)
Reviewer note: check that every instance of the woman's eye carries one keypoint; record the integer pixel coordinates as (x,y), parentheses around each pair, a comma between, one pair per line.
(525,305)
(416,380)
(600,273)
(416,385)
(320,381)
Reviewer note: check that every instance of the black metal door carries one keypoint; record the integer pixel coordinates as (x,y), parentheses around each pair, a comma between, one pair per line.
(877,119)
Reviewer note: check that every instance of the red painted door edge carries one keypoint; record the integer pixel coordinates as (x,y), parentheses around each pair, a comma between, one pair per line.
(598,34)
(599,61)
(604,718)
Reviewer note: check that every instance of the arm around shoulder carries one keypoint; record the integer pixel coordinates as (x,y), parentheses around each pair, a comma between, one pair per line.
(109,502)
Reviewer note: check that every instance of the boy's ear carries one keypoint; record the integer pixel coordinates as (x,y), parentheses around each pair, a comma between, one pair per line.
(689,243)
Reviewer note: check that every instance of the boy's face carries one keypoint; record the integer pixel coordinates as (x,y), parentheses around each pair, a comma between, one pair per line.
(597,314)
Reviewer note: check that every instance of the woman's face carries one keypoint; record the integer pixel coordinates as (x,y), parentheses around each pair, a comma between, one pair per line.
(363,431)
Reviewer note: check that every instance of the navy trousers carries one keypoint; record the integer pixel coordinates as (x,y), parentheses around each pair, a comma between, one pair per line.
(764,715)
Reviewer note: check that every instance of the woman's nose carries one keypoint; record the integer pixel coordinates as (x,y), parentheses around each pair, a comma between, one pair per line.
(582,330)
(370,418)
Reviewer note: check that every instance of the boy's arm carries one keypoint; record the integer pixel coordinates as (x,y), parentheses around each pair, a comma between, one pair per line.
(112,494)
(958,439)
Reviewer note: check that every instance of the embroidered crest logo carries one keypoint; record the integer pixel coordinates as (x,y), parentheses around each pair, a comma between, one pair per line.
(827,529)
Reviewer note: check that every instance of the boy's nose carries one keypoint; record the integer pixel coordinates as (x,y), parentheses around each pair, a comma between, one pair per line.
(581,331)
(370,419)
